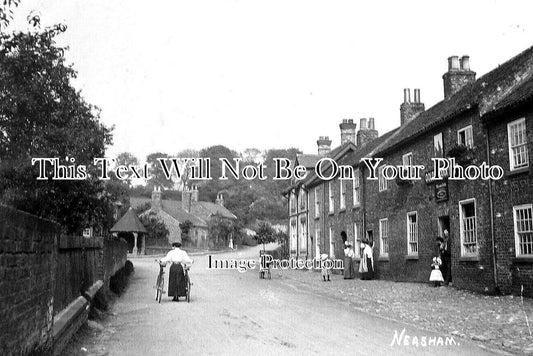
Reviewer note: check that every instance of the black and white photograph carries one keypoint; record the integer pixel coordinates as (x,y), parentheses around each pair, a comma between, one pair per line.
(245,177)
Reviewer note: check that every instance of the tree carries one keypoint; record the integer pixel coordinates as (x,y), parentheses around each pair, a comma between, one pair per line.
(156,229)
(6,12)
(185,227)
(282,238)
(265,234)
(252,155)
(125,159)
(185,166)
(222,229)
(42,115)
(156,171)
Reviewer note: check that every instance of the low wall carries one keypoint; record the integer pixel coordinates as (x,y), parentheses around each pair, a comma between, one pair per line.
(78,267)
(115,254)
(27,265)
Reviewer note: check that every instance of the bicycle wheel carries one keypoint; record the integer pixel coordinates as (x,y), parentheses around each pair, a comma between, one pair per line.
(157,290)
(188,290)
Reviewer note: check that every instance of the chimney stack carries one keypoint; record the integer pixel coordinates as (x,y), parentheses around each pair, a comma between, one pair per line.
(458,75)
(157,204)
(194,193)
(409,110)
(366,132)
(220,199)
(188,197)
(348,128)
(324,145)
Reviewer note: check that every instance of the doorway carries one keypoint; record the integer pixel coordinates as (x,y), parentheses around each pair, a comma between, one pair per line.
(444,233)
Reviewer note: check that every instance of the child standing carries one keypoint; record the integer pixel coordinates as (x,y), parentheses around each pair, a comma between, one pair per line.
(436,275)
(326,273)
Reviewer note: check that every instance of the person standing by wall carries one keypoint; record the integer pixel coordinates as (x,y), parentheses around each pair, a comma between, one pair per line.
(366,267)
(349,254)
(444,249)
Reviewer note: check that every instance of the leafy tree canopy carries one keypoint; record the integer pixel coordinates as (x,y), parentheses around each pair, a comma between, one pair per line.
(43,115)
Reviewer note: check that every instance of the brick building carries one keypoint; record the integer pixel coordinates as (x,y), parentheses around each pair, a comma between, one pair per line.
(490,221)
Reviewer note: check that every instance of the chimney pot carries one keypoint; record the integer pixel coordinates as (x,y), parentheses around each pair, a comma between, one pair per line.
(465,63)
(453,63)
(362,124)
(407,95)
(417,95)
(371,124)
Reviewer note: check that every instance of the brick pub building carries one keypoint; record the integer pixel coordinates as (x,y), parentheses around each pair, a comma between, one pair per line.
(490,221)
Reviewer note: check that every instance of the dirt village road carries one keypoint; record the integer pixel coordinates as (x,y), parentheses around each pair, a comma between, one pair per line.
(233,313)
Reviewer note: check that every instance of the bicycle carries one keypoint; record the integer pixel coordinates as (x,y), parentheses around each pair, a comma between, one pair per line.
(188,284)
(160,282)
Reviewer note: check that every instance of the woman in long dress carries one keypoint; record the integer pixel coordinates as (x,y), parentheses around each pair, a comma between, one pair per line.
(366,267)
(349,254)
(176,276)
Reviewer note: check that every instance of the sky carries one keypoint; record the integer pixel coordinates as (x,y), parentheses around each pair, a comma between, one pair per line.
(174,75)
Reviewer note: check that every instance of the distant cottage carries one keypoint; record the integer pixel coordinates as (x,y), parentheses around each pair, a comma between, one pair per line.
(174,212)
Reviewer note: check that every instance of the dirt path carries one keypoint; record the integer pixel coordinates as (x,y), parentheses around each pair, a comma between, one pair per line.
(237,313)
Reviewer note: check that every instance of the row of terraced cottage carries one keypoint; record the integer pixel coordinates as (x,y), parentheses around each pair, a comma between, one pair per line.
(490,221)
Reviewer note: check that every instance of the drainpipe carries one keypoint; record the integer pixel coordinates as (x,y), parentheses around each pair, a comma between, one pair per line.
(324,214)
(491,205)
(307,223)
(363,200)
(297,225)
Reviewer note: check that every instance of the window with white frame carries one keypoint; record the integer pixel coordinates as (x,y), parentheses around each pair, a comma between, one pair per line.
(384,237)
(317,203)
(518,155)
(407,159)
(382,182)
(331,197)
(331,243)
(465,137)
(412,233)
(468,230)
(438,147)
(293,244)
(356,240)
(356,188)
(303,236)
(303,200)
(523,230)
(342,194)
(292,202)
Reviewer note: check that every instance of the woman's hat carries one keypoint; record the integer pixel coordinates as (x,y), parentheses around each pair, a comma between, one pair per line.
(176,244)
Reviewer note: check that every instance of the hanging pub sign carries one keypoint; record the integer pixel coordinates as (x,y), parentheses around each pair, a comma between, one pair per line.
(441,191)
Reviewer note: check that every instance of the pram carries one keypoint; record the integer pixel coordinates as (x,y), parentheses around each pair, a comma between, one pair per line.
(264,270)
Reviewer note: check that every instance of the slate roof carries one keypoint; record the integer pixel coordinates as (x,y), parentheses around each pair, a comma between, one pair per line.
(354,156)
(500,87)
(522,94)
(205,210)
(173,208)
(201,211)
(307,160)
(129,222)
